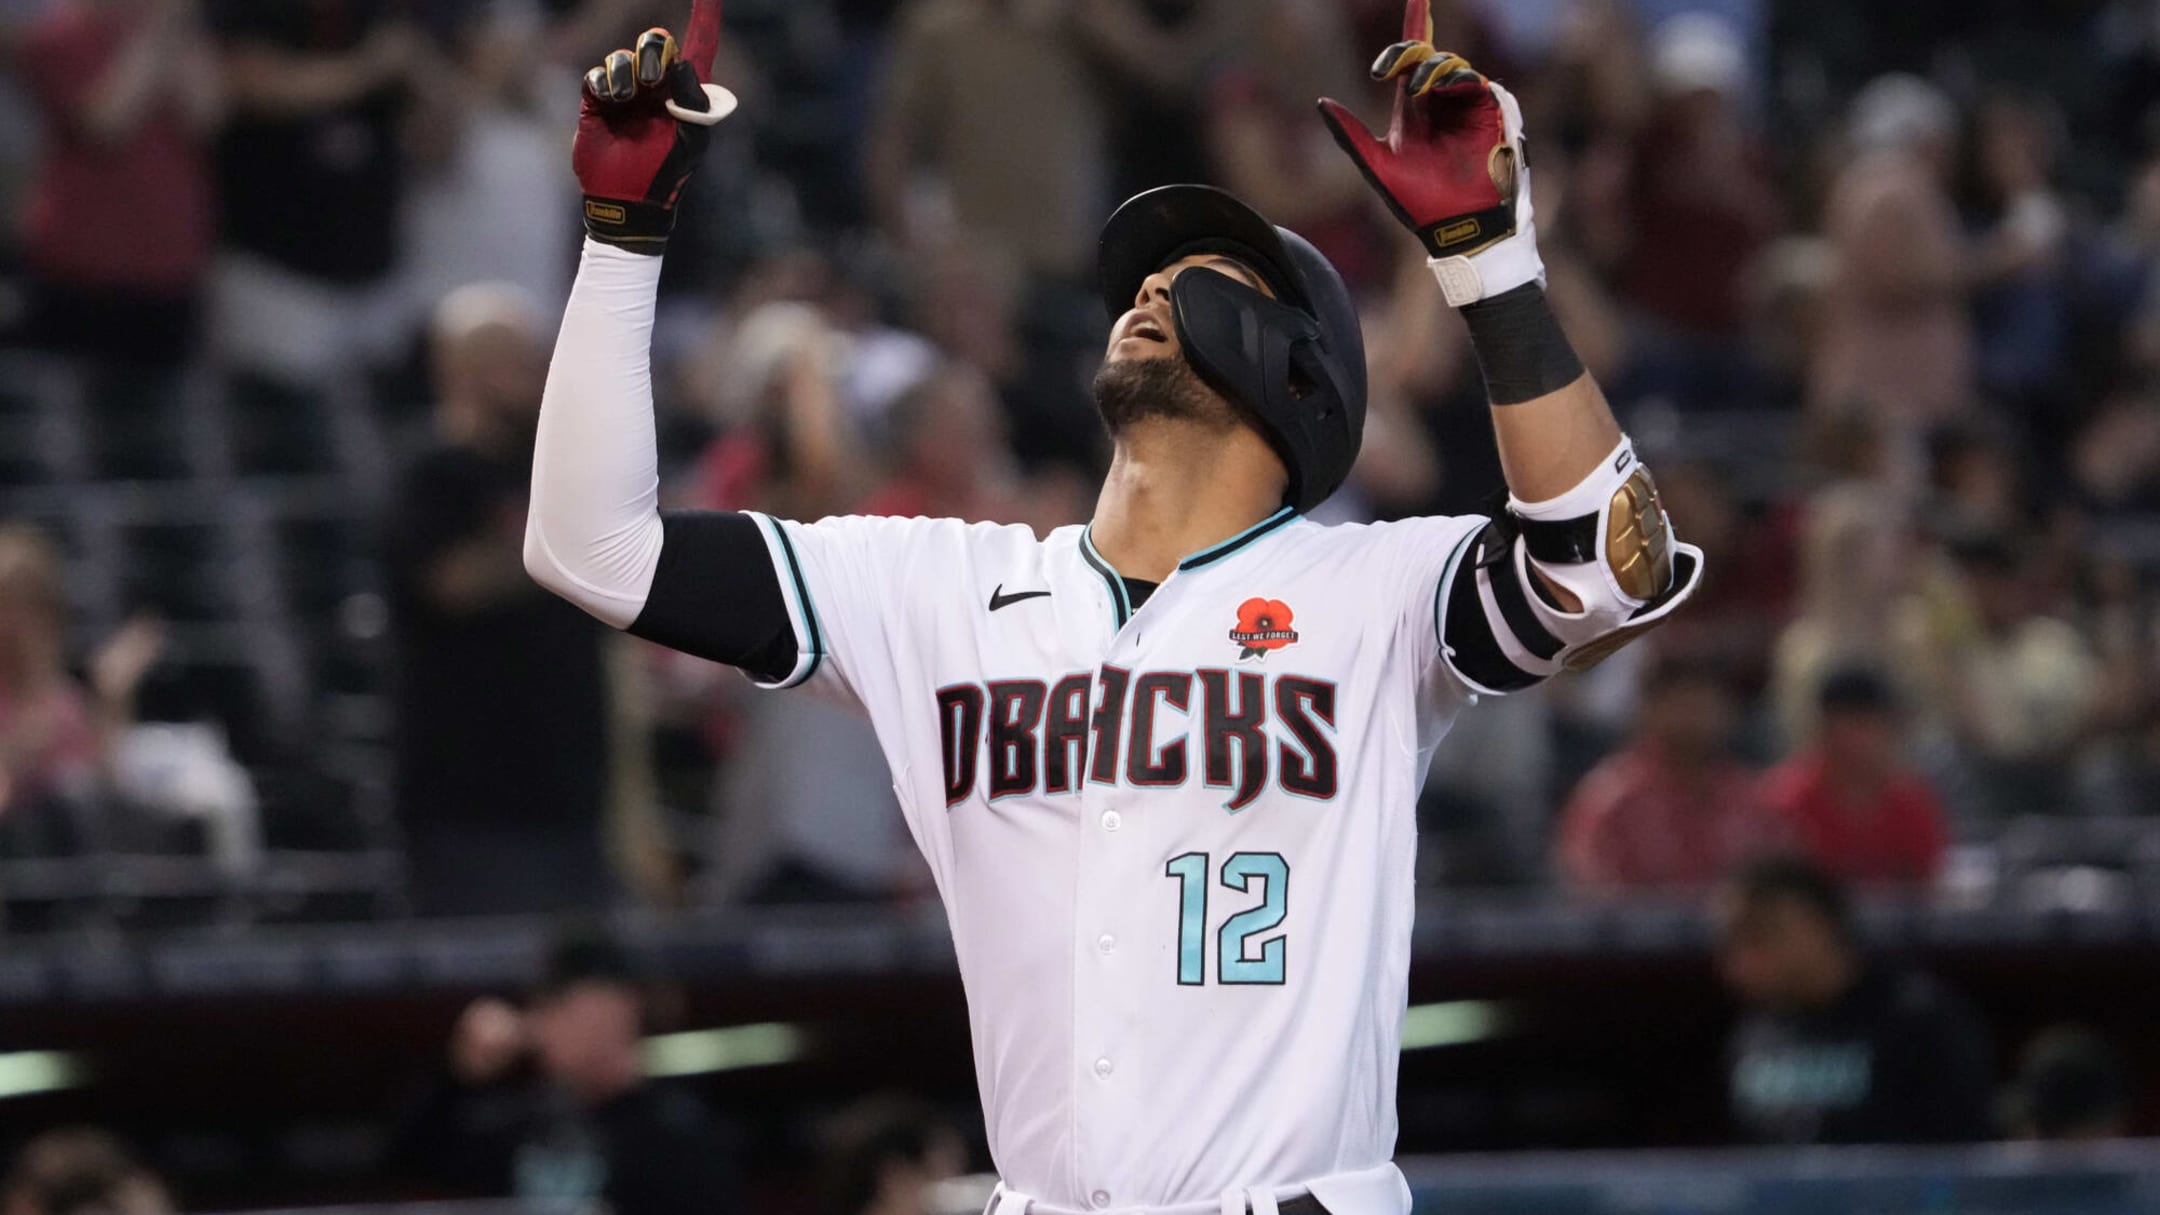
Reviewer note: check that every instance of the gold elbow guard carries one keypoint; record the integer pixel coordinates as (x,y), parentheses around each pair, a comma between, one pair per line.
(1639,550)
(1638,540)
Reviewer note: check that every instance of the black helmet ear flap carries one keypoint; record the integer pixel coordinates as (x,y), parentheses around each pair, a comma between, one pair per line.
(1268,357)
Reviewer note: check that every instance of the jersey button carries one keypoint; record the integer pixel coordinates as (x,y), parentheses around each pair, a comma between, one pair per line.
(1106,942)
(1100,1198)
(1112,820)
(1102,1067)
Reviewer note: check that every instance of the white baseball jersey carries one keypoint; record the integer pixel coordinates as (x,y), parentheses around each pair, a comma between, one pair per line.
(1175,842)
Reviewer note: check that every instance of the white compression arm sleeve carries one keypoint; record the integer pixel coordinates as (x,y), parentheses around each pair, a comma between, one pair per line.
(593,530)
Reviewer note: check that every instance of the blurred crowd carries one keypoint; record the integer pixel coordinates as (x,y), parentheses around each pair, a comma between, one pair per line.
(1875,287)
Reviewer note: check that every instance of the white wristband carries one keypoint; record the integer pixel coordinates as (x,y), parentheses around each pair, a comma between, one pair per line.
(1504,267)
(1512,262)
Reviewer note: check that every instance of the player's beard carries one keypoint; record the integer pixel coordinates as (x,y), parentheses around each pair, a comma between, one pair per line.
(1133,390)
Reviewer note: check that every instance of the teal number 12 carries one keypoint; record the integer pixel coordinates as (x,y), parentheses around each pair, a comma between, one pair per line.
(1234,943)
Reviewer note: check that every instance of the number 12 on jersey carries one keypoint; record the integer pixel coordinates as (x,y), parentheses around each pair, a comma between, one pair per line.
(1235,948)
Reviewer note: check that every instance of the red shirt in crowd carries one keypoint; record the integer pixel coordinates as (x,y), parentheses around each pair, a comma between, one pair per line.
(1897,835)
(1702,206)
(1638,822)
(133,216)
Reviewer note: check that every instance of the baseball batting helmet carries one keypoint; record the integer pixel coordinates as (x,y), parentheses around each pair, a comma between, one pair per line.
(1296,362)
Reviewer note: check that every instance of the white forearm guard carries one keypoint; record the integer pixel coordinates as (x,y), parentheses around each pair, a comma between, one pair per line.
(1608,543)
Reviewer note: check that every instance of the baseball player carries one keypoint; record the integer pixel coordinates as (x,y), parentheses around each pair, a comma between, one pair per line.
(1163,766)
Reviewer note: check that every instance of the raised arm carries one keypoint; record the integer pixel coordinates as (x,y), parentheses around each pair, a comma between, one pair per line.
(595,534)
(1582,560)
(270,81)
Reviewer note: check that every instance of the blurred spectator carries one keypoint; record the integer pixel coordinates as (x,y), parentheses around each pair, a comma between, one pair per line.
(992,135)
(1269,151)
(118,228)
(1700,196)
(48,731)
(993,99)
(81,1172)
(972,302)
(1673,808)
(1485,816)
(1590,96)
(946,448)
(2021,253)
(550,1104)
(773,385)
(887,1155)
(2114,463)
(1896,338)
(2139,234)
(1849,801)
(2019,688)
(1833,1048)
(1156,56)
(503,756)
(1856,559)
(1975,479)
(2071,1087)
(56,737)
(313,177)
(1785,292)
(1747,574)
(806,806)
(804,797)
(2120,772)
(490,202)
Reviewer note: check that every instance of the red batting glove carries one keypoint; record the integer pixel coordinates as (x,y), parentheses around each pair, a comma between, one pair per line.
(642,128)
(1451,166)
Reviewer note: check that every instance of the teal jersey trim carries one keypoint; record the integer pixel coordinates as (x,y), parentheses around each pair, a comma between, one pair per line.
(1120,602)
(800,588)
(1243,538)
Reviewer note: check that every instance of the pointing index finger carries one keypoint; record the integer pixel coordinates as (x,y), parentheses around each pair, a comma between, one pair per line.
(701,38)
(1417,21)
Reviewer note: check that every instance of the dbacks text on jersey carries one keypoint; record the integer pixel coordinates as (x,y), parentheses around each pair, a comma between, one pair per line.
(1020,736)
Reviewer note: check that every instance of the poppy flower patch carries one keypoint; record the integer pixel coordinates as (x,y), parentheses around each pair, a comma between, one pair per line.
(1263,626)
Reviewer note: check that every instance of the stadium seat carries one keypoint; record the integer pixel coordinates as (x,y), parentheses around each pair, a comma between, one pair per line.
(277,430)
(178,568)
(135,428)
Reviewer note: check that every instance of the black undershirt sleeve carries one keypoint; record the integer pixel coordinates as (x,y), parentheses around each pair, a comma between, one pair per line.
(715,595)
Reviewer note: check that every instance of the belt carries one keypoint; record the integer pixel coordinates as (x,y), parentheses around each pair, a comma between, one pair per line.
(1380,1190)
(1303,1204)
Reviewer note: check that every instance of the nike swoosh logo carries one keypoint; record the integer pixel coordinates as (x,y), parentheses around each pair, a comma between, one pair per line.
(999,599)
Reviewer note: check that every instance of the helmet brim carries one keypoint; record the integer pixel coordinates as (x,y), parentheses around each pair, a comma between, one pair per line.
(1170,223)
